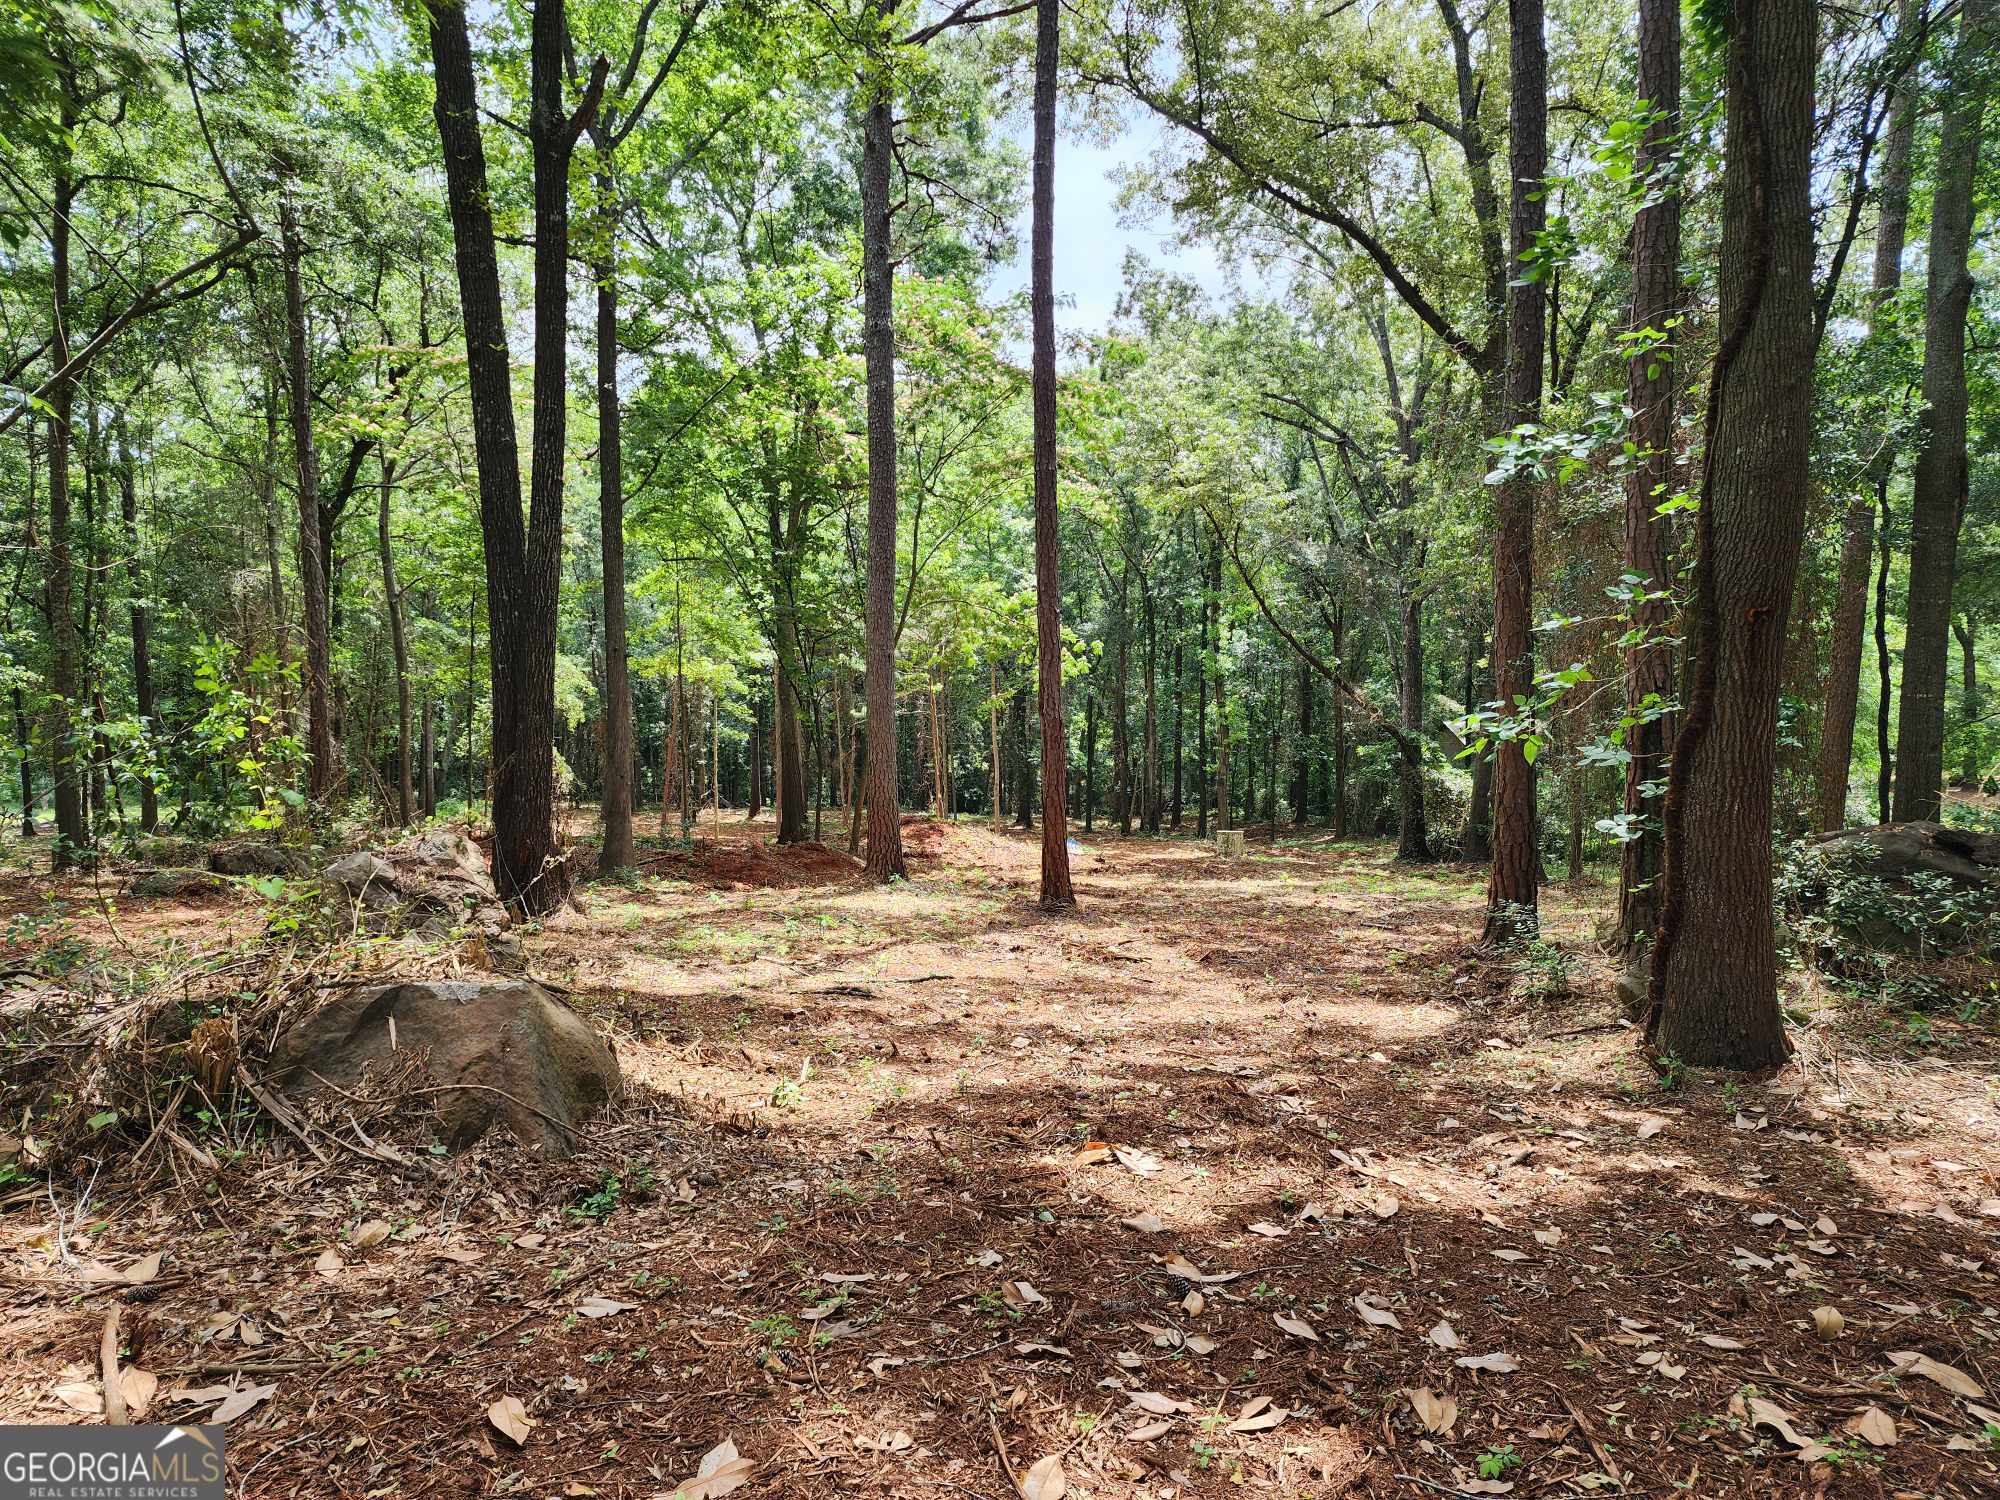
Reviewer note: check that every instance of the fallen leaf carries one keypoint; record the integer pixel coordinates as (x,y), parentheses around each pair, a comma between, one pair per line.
(245,1400)
(1718,1341)
(1141,1163)
(1374,1315)
(1179,1265)
(1769,1414)
(81,1395)
(1651,1126)
(1092,1153)
(1444,1336)
(1495,1363)
(1045,1479)
(1385,1207)
(1150,1431)
(530,1241)
(372,1233)
(1020,1294)
(1196,1344)
(1874,1427)
(1193,1303)
(1828,1323)
(1438,1413)
(139,1386)
(329,1264)
(603,1307)
(1146,1223)
(1258,1415)
(1158,1405)
(1510,1256)
(1950,1377)
(142,1270)
(1269,1231)
(721,1471)
(1298,1328)
(511,1417)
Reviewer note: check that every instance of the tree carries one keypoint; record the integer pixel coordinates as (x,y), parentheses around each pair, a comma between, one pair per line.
(523,568)
(1938,493)
(1651,383)
(1713,998)
(1843,672)
(1056,891)
(1511,890)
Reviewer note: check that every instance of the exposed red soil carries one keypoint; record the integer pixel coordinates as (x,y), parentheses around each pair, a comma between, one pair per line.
(860,1118)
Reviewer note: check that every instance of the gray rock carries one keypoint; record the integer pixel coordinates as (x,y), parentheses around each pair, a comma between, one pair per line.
(506,1052)
(1899,850)
(258,859)
(170,883)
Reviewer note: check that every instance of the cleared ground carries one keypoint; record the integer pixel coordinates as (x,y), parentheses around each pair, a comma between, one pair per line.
(1247,1176)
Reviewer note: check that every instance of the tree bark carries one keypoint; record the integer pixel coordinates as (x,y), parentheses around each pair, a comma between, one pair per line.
(1511,893)
(1476,843)
(141,624)
(317,666)
(1714,997)
(620,851)
(1214,653)
(1940,483)
(392,604)
(1024,763)
(1413,839)
(1968,773)
(523,564)
(885,834)
(1302,750)
(1057,892)
(72,841)
(1652,381)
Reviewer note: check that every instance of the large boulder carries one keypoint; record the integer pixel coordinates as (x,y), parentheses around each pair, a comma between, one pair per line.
(1899,887)
(1899,850)
(503,1052)
(432,884)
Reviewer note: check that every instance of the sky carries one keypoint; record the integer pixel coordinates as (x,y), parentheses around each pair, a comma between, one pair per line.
(1090,240)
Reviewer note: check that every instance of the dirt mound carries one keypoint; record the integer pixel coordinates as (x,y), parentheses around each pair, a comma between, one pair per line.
(924,835)
(755,864)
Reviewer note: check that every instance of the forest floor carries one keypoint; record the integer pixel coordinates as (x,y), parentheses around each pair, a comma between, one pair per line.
(1249,1175)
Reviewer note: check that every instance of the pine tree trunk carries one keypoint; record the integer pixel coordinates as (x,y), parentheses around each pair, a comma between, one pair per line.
(1651,384)
(1940,483)
(1511,891)
(885,835)
(1714,998)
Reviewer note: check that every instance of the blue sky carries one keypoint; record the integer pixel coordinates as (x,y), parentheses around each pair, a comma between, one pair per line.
(1091,240)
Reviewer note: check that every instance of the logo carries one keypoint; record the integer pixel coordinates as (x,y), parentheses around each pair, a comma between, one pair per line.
(111,1463)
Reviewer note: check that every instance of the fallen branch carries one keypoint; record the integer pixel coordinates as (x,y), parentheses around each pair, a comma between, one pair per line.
(107,1353)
